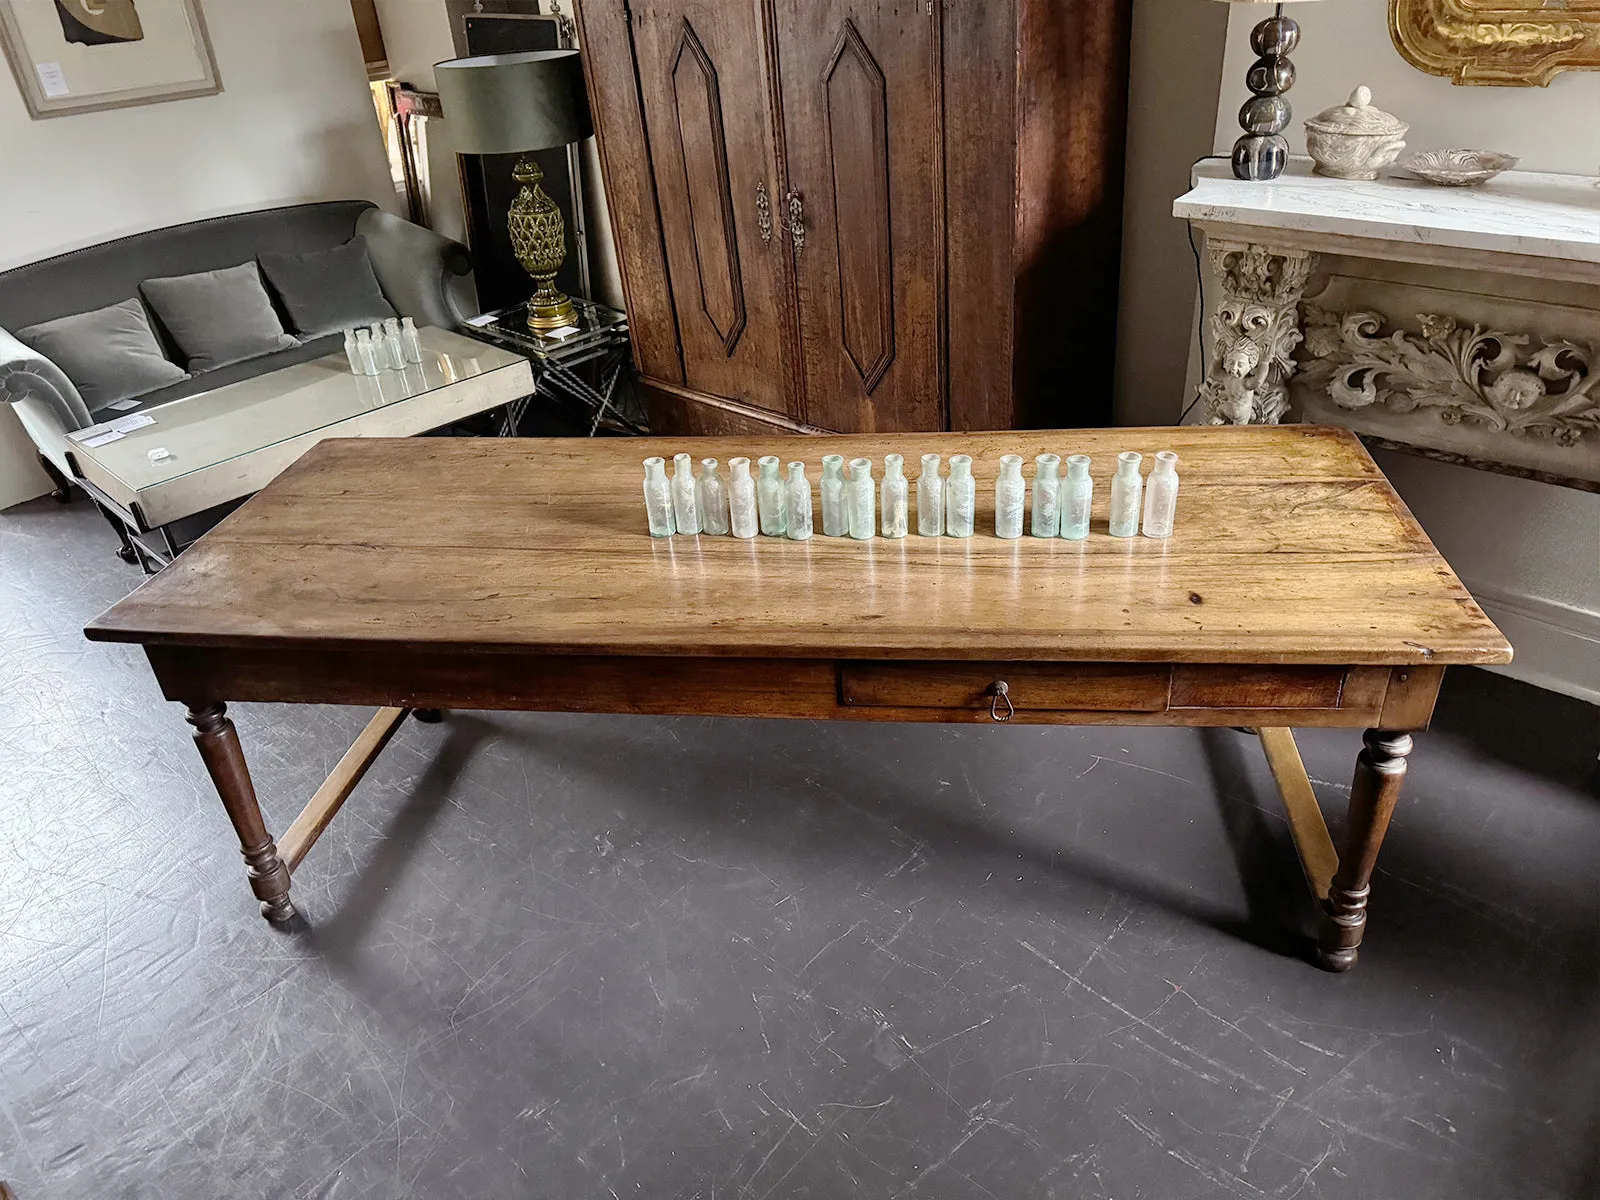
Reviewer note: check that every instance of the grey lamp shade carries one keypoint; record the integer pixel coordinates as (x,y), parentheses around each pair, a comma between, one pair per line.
(514,103)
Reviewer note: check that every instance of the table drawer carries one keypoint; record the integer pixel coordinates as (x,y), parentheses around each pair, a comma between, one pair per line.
(1257,687)
(1037,687)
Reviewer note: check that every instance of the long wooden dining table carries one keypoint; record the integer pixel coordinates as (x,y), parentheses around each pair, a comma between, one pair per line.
(435,573)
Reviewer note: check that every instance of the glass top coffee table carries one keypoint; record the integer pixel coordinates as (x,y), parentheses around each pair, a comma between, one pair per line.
(229,443)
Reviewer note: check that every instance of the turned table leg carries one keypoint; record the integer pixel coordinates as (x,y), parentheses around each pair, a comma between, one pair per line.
(219,749)
(1380,770)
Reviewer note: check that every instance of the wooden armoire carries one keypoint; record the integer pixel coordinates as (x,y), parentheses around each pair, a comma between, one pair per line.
(865,215)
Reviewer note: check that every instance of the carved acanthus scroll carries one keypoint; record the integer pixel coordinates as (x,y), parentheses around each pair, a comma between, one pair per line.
(1255,327)
(1507,383)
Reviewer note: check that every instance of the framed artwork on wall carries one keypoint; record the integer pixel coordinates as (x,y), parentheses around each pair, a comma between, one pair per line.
(1506,42)
(73,56)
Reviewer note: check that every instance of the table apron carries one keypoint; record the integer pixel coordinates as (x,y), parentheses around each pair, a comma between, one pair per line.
(1399,697)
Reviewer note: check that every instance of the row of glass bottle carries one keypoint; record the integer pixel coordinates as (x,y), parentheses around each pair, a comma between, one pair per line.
(387,346)
(776,507)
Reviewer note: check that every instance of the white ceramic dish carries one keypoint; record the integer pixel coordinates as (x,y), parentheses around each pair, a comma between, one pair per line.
(1457,168)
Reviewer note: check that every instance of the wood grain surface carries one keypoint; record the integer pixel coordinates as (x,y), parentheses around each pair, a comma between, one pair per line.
(1290,547)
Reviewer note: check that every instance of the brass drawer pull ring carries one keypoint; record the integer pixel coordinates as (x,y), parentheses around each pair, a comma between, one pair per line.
(1002,691)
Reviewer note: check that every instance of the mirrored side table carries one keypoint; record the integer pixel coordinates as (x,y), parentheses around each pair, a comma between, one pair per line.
(599,337)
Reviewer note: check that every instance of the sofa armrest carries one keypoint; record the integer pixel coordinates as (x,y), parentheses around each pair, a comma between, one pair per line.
(45,399)
(425,275)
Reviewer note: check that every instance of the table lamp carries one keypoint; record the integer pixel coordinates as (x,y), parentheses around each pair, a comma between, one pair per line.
(515,104)
(1263,151)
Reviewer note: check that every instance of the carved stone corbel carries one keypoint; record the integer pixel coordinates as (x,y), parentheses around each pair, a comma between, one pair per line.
(1255,327)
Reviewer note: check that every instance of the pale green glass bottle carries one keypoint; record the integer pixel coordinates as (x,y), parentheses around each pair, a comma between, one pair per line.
(658,497)
(1047,495)
(930,498)
(894,498)
(960,498)
(769,497)
(835,504)
(713,499)
(1127,487)
(1010,497)
(797,501)
(685,495)
(742,499)
(861,505)
(1077,499)
(1161,496)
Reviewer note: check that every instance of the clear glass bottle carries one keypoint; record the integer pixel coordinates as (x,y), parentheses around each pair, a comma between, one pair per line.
(1010,497)
(960,497)
(1047,495)
(861,505)
(350,352)
(770,502)
(894,499)
(394,354)
(1126,487)
(685,495)
(835,504)
(930,498)
(713,499)
(742,499)
(409,341)
(1077,499)
(1161,496)
(797,500)
(657,495)
(366,352)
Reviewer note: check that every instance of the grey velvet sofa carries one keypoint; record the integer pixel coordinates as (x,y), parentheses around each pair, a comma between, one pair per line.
(423,275)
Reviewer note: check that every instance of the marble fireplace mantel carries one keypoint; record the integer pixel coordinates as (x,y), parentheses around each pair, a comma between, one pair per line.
(1460,322)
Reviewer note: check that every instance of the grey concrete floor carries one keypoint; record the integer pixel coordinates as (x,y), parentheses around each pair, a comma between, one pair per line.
(560,956)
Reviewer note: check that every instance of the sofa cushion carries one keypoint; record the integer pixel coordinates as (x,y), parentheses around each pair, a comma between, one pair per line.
(218,317)
(327,291)
(109,354)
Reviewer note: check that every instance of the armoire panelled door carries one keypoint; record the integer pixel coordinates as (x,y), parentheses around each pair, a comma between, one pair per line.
(860,111)
(702,82)
(864,215)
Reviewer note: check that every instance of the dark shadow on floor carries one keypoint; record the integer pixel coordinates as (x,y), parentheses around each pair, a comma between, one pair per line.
(341,936)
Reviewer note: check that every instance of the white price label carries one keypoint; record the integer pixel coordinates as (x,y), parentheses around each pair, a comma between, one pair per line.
(52,79)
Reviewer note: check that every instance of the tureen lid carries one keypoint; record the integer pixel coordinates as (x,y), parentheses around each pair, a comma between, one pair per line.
(1357,117)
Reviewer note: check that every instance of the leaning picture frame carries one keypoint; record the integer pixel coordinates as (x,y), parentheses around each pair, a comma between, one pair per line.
(73,56)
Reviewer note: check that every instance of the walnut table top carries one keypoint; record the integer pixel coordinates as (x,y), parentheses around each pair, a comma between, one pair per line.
(1290,546)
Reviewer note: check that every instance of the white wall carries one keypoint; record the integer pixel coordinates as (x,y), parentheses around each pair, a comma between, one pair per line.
(1530,552)
(416,34)
(294,122)
(1176,57)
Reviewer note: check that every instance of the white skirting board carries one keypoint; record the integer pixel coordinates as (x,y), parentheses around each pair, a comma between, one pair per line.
(1557,647)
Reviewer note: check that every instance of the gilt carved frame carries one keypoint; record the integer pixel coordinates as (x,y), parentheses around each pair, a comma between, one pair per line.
(1517,43)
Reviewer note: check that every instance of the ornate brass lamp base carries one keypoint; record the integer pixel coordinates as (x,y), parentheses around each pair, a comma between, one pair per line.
(539,238)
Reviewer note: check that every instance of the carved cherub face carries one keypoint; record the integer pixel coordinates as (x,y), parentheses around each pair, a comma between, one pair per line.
(1516,390)
(1241,356)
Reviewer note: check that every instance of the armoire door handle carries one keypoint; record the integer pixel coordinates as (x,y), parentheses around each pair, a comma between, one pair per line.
(763,211)
(797,220)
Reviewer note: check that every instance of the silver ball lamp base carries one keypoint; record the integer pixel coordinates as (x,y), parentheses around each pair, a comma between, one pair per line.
(1263,151)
